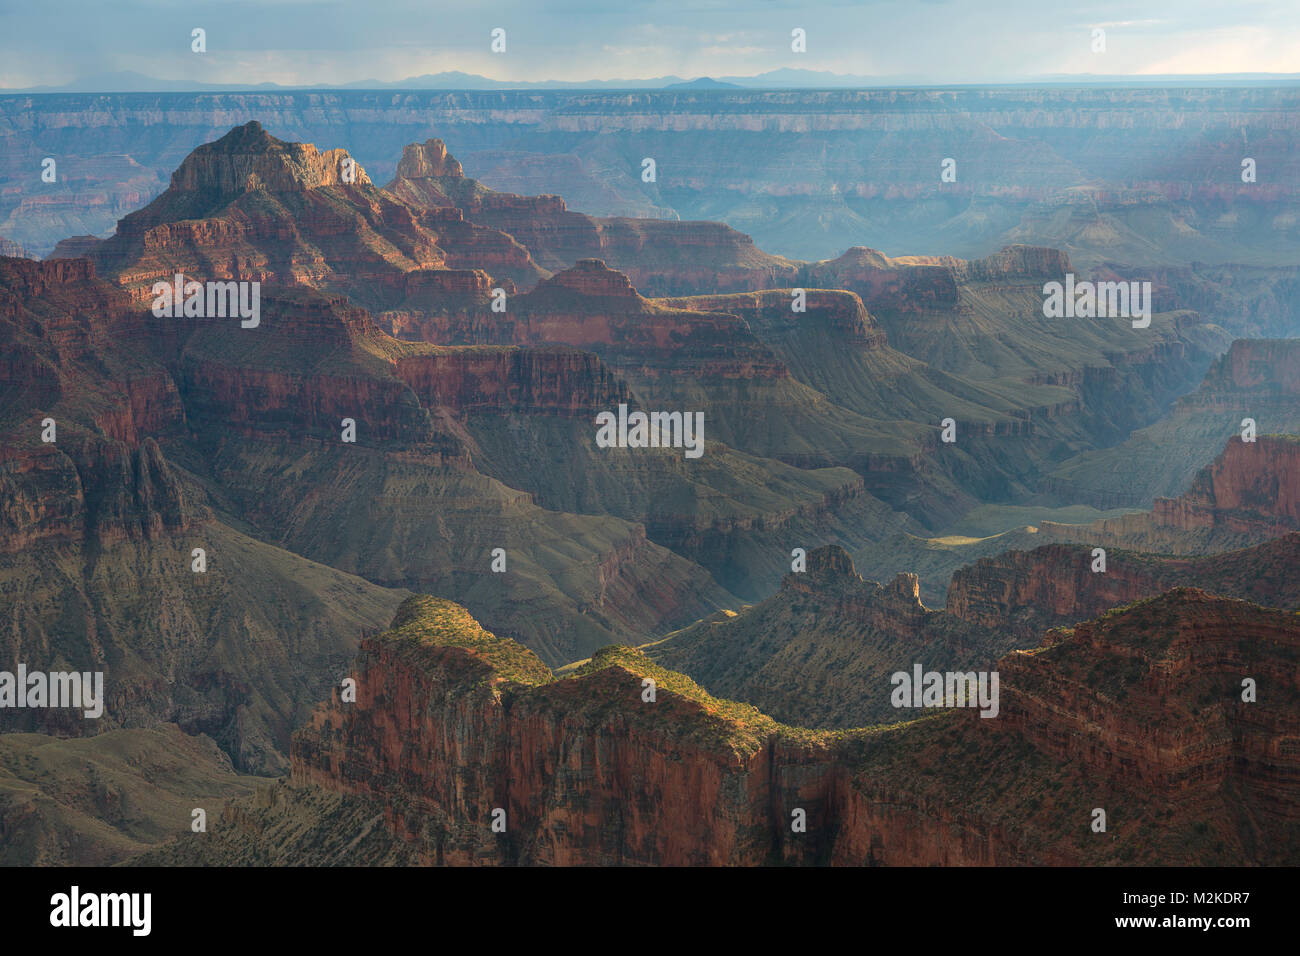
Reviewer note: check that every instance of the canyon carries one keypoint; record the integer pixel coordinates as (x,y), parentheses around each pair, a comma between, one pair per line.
(820,651)
(1243,497)
(1256,379)
(392,479)
(807,173)
(454,728)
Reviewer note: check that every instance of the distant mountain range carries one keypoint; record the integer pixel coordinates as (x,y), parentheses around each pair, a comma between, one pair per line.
(127,81)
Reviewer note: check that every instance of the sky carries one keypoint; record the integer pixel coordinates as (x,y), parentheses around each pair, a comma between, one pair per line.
(335,42)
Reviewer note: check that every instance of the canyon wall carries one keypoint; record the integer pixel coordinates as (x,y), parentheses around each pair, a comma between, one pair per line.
(1176,169)
(1028,592)
(452,726)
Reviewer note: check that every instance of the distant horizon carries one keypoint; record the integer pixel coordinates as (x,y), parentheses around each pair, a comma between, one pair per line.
(133,82)
(327,44)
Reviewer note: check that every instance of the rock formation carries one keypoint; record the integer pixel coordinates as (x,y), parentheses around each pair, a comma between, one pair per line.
(1248,494)
(252,207)
(1257,379)
(385,426)
(13,250)
(453,729)
(1028,592)
(820,652)
(788,167)
(661,257)
(99,526)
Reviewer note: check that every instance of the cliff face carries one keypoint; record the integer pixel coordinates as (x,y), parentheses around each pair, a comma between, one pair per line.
(589,306)
(97,528)
(103,477)
(1031,591)
(249,159)
(883,283)
(1260,365)
(451,724)
(313,361)
(1140,714)
(1191,650)
(909,284)
(74,247)
(1255,378)
(664,257)
(591,277)
(547,381)
(596,307)
(586,772)
(528,747)
(661,257)
(254,208)
(11,249)
(1248,494)
(427,160)
(1015,185)
(833,314)
(1009,263)
(1252,488)
(358,372)
(89,491)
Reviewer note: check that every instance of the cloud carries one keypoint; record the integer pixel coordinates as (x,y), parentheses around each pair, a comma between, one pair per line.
(1118,24)
(342,41)
(1239,50)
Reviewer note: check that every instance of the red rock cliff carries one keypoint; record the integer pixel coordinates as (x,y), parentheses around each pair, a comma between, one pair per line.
(451,724)
(1030,591)
(661,257)
(1250,484)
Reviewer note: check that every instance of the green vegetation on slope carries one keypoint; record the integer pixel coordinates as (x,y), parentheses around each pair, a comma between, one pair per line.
(434,621)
